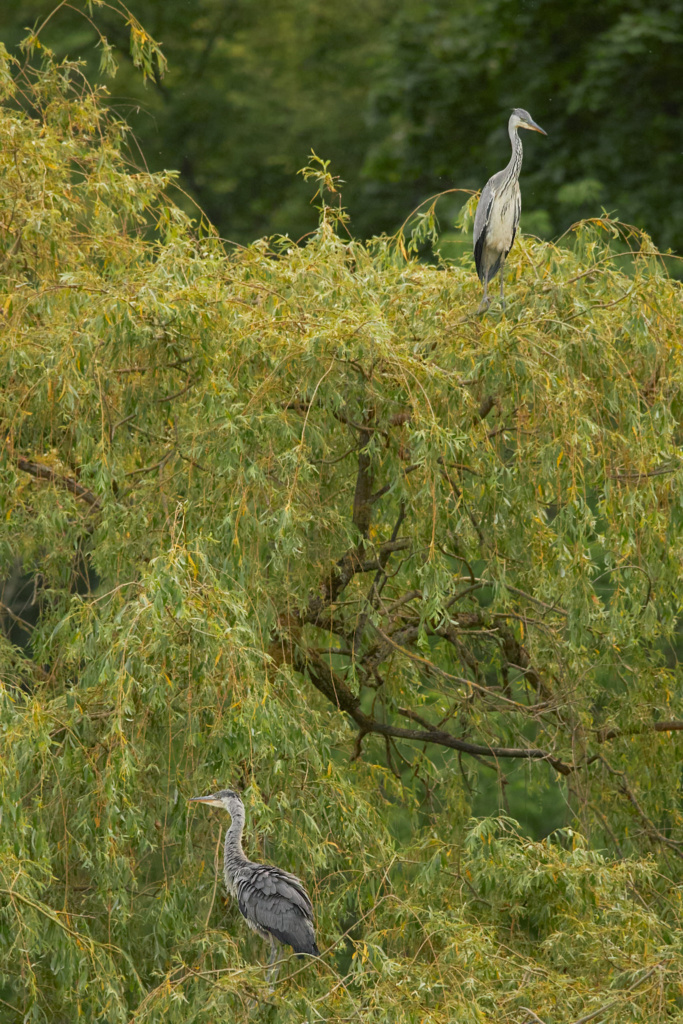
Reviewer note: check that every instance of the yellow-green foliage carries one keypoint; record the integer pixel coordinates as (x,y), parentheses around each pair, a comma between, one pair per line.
(213,439)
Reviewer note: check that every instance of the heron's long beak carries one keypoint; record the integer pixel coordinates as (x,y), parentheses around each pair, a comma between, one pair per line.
(534,127)
(206,800)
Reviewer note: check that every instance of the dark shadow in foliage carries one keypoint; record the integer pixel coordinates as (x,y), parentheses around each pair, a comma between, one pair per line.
(21,598)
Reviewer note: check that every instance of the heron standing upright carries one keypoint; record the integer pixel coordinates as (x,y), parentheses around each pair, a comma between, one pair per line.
(273,902)
(500,205)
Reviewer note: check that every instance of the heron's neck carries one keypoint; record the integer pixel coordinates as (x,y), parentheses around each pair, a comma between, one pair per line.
(233,854)
(515,165)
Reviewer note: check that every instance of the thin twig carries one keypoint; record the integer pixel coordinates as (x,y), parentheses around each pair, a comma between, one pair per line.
(6,610)
(614,1002)
(534,1016)
(215,877)
(177,394)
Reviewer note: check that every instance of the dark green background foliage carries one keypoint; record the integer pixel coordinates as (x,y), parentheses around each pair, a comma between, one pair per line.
(296,521)
(407,98)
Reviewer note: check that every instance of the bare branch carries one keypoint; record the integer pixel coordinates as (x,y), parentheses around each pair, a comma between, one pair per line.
(460,680)
(300,405)
(542,604)
(445,739)
(6,610)
(177,365)
(150,469)
(458,496)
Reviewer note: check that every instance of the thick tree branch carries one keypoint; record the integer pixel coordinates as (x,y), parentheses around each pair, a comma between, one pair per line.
(341,574)
(333,687)
(42,472)
(487,403)
(177,394)
(377,585)
(603,735)
(445,739)
(362,498)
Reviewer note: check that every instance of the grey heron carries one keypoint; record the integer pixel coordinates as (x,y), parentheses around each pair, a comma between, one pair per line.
(498,210)
(273,902)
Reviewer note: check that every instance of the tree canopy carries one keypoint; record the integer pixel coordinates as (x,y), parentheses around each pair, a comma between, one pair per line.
(298,522)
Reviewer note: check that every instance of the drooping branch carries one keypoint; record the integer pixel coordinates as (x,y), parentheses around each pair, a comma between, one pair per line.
(650,826)
(460,680)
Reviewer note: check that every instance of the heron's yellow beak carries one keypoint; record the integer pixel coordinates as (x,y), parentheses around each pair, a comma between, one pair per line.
(533,127)
(206,800)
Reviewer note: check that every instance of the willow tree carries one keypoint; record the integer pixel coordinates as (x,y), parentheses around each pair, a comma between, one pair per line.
(298,522)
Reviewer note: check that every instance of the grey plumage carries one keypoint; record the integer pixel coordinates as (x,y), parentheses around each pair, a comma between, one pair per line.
(498,211)
(273,902)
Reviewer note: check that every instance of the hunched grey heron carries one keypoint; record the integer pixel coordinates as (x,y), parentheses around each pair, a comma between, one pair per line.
(500,205)
(273,902)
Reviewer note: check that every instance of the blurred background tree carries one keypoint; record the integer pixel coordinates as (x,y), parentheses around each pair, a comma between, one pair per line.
(406,97)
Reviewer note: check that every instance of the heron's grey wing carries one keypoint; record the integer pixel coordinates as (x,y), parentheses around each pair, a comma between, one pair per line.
(276,902)
(481,222)
(518,214)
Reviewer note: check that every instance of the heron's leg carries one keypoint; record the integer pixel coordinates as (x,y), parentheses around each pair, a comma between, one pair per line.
(484,304)
(272,972)
(502,286)
(273,950)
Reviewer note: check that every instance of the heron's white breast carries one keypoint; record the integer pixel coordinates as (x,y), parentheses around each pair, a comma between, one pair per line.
(231,880)
(256,928)
(502,221)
